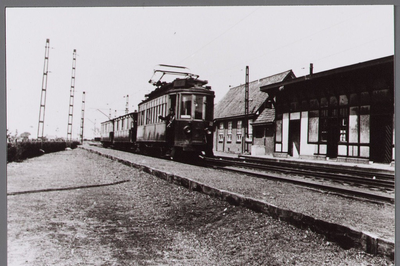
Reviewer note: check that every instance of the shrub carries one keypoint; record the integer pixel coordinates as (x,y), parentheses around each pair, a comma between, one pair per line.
(19,151)
(73,144)
(11,152)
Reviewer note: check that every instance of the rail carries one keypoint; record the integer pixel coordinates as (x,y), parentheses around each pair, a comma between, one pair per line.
(365,184)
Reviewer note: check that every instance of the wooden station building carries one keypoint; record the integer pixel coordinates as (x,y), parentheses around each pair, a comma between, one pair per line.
(344,114)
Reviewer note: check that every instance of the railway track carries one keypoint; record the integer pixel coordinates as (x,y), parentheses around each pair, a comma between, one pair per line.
(355,182)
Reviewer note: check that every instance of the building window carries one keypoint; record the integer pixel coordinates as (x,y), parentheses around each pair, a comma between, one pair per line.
(239,131)
(229,136)
(365,124)
(323,135)
(344,121)
(278,133)
(313,126)
(354,124)
(278,130)
(221,132)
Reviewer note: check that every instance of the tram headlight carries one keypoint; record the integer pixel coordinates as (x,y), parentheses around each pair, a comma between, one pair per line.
(187,129)
(208,131)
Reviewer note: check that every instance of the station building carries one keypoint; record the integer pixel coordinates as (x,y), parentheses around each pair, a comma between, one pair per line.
(343,114)
(231,120)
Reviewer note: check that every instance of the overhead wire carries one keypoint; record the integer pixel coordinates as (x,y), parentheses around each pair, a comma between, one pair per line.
(293,42)
(234,25)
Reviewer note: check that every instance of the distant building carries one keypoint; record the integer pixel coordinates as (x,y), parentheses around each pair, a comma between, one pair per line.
(345,113)
(230,118)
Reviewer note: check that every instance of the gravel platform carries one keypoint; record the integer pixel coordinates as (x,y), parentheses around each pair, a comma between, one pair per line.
(78,208)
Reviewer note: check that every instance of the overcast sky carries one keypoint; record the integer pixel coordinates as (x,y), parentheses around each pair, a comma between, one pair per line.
(118,49)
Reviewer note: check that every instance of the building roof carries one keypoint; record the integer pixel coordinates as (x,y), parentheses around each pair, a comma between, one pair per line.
(267,116)
(233,104)
(328,73)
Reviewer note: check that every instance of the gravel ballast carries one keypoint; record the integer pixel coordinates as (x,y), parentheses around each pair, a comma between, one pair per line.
(74,218)
(378,219)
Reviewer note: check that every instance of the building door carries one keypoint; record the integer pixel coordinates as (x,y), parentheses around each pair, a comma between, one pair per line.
(294,138)
(381,138)
(333,134)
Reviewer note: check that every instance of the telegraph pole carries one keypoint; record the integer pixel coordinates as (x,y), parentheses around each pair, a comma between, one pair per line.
(127,105)
(246,110)
(71,98)
(40,131)
(82,116)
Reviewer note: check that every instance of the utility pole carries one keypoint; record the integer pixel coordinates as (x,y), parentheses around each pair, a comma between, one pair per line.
(246,110)
(40,131)
(82,116)
(71,98)
(127,105)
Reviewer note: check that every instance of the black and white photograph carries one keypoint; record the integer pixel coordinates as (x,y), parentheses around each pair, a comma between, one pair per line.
(200,135)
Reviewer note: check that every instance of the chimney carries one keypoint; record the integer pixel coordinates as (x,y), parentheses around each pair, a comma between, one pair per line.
(311,68)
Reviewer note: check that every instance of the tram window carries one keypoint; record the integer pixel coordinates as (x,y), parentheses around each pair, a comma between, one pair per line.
(148,116)
(186,106)
(142,118)
(199,107)
(172,101)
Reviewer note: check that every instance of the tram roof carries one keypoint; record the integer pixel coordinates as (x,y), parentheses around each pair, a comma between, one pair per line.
(179,83)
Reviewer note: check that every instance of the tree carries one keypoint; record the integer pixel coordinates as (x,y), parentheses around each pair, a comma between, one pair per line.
(11,137)
(8,135)
(25,136)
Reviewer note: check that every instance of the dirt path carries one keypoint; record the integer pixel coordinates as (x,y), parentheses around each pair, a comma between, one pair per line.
(145,221)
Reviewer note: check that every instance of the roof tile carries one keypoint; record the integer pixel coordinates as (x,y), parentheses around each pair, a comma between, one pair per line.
(266,116)
(233,104)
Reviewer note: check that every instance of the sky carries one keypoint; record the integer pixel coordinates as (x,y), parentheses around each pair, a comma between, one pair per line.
(119,47)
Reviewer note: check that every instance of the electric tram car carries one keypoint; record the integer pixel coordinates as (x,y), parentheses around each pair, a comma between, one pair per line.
(174,120)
